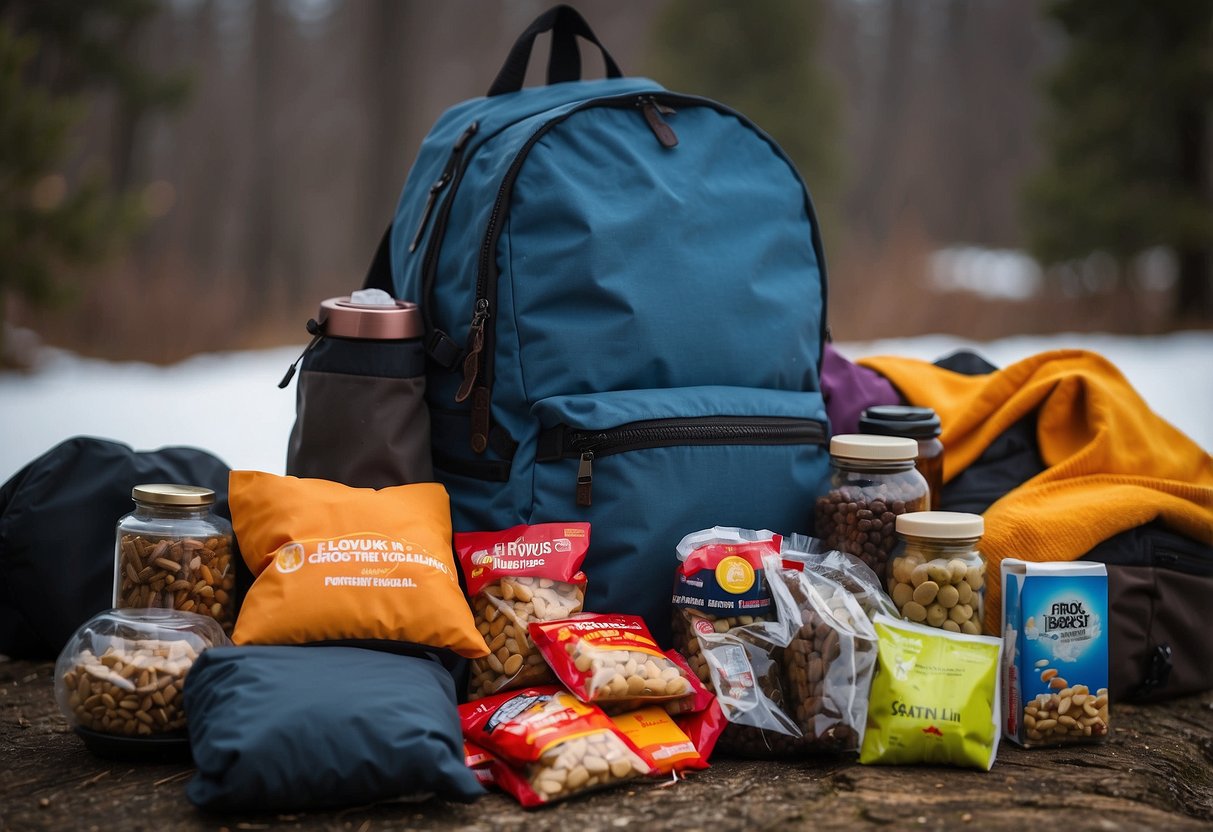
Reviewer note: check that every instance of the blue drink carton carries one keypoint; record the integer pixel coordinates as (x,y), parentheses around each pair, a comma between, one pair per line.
(1055,652)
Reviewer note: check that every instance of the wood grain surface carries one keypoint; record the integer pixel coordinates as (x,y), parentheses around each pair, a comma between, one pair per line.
(1155,772)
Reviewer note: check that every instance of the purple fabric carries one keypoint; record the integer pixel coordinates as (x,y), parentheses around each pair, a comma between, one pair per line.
(848,389)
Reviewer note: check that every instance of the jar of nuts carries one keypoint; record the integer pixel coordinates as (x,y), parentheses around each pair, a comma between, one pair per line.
(174,552)
(939,577)
(119,678)
(872,481)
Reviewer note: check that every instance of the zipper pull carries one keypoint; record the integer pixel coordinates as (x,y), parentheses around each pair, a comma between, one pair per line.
(471,361)
(443,180)
(653,113)
(467,134)
(430,201)
(317,332)
(585,478)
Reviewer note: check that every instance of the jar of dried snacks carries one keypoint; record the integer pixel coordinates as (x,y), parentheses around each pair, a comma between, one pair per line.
(174,552)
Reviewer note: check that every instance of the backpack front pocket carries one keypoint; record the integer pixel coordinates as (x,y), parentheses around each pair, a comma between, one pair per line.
(646,467)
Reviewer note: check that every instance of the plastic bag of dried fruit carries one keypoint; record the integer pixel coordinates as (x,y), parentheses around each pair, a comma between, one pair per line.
(725,624)
(514,577)
(825,601)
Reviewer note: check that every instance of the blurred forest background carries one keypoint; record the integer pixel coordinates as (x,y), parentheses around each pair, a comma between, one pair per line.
(194,175)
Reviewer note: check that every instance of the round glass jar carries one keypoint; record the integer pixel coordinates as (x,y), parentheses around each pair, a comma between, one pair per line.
(920,424)
(119,678)
(872,481)
(938,576)
(174,552)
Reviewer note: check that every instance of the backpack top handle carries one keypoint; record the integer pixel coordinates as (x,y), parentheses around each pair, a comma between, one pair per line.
(564,62)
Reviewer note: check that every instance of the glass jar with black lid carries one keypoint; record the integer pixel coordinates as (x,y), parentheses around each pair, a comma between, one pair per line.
(920,424)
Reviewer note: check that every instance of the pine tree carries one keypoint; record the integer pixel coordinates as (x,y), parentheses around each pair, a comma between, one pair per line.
(54,221)
(757,57)
(1129,140)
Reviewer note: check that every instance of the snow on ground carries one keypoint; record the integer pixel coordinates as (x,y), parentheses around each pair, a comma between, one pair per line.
(230,404)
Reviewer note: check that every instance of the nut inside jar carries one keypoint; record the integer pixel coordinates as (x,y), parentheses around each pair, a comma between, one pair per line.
(186,574)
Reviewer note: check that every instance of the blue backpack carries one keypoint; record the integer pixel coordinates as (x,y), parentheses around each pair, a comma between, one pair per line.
(624,296)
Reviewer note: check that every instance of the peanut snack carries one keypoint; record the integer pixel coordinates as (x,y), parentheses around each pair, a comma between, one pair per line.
(605,658)
(177,573)
(515,577)
(548,745)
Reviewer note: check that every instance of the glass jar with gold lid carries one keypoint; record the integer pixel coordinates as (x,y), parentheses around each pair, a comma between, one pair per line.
(174,552)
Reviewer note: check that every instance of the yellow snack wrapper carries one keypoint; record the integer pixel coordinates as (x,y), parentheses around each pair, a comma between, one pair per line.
(934,697)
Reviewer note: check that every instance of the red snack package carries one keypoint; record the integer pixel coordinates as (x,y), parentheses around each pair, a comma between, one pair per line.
(548,745)
(609,658)
(664,745)
(514,577)
(704,728)
(700,699)
(478,760)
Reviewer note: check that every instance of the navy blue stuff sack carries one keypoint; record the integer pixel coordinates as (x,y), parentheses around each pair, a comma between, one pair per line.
(280,729)
(624,298)
(57,519)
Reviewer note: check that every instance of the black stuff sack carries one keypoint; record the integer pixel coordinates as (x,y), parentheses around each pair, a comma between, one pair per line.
(57,520)
(281,729)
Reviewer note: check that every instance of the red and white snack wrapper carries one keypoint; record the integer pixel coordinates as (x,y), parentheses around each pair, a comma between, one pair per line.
(548,745)
(514,577)
(704,727)
(479,761)
(610,659)
(699,700)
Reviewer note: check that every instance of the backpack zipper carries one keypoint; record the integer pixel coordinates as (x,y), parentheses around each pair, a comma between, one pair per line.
(1179,561)
(588,445)
(448,171)
(481,339)
(653,112)
(483,343)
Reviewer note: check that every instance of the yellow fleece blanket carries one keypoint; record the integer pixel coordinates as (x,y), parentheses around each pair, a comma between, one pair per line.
(1111,463)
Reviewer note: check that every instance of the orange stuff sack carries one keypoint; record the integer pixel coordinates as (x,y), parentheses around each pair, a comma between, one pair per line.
(333,562)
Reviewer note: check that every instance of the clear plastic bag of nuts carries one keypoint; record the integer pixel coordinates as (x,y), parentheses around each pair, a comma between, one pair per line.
(825,601)
(121,675)
(719,587)
(724,623)
(514,577)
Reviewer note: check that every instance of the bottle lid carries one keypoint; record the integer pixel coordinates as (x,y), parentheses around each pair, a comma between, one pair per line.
(168,494)
(868,446)
(949,525)
(900,420)
(343,318)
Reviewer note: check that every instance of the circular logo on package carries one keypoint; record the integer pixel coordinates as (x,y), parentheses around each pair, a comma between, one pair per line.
(735,575)
(703,627)
(289,557)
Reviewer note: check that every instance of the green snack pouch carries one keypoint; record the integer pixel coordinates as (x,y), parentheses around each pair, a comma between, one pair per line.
(934,697)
